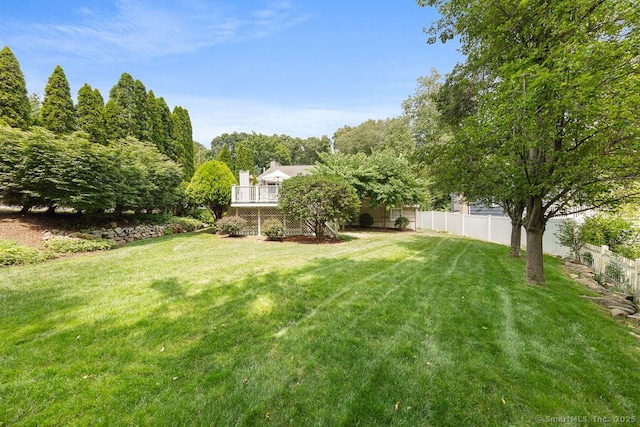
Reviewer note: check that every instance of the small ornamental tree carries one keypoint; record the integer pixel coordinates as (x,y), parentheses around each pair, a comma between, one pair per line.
(211,186)
(319,200)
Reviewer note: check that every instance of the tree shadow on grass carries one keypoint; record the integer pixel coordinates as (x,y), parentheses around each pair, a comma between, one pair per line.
(170,287)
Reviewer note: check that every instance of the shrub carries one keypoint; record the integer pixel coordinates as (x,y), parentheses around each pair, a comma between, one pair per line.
(12,253)
(570,234)
(68,245)
(365,220)
(402,222)
(203,215)
(615,273)
(273,229)
(186,224)
(587,257)
(619,233)
(231,225)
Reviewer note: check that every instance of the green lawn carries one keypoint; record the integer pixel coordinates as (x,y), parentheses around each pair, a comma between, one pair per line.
(385,329)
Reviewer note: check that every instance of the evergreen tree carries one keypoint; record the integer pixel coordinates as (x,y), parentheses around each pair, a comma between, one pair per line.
(155,124)
(183,140)
(58,113)
(160,123)
(244,159)
(224,156)
(91,114)
(36,105)
(142,114)
(122,117)
(15,109)
(167,124)
(114,121)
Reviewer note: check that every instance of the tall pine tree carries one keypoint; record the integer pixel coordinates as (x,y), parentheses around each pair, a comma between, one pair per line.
(58,113)
(122,109)
(91,114)
(159,122)
(142,115)
(225,157)
(15,109)
(183,140)
(244,159)
(166,130)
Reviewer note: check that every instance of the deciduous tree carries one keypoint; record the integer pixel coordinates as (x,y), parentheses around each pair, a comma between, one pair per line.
(319,200)
(561,111)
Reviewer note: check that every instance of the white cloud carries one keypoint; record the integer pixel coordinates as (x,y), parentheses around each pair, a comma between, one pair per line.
(149,29)
(212,117)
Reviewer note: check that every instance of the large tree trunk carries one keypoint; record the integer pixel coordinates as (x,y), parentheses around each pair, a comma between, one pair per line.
(535,224)
(515,211)
(516,238)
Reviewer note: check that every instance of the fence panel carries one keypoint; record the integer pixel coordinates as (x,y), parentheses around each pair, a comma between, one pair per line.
(622,273)
(477,227)
(495,229)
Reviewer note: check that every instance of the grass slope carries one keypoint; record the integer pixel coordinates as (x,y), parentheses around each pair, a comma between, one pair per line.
(390,329)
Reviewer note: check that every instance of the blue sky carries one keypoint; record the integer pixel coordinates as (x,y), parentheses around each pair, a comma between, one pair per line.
(296,67)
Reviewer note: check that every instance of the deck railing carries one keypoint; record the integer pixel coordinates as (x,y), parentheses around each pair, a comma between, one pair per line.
(254,194)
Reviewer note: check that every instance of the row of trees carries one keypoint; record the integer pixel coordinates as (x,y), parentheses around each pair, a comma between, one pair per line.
(39,168)
(131,153)
(131,111)
(543,114)
(253,151)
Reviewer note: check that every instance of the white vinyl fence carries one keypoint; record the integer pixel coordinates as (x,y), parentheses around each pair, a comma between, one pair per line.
(623,273)
(496,229)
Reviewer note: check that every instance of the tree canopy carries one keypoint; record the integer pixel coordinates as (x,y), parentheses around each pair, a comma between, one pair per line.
(555,95)
(383,177)
(319,200)
(211,186)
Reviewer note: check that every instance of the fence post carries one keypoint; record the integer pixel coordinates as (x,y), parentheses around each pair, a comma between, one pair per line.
(462,225)
(603,250)
(488,228)
(446,222)
(636,287)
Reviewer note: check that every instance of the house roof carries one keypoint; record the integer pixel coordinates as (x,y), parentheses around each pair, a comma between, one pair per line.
(278,173)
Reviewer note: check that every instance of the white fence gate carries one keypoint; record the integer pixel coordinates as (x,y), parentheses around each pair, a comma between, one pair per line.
(623,273)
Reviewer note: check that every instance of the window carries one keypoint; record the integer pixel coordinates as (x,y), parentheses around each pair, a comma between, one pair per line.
(395,213)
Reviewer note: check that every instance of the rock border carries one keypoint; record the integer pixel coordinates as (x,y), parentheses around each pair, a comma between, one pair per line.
(121,235)
(620,306)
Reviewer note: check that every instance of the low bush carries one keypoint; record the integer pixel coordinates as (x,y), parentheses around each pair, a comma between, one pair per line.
(12,253)
(231,225)
(365,220)
(620,234)
(69,245)
(273,229)
(203,215)
(401,222)
(185,224)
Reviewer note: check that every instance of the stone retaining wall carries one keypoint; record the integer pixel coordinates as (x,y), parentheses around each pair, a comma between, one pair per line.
(121,235)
